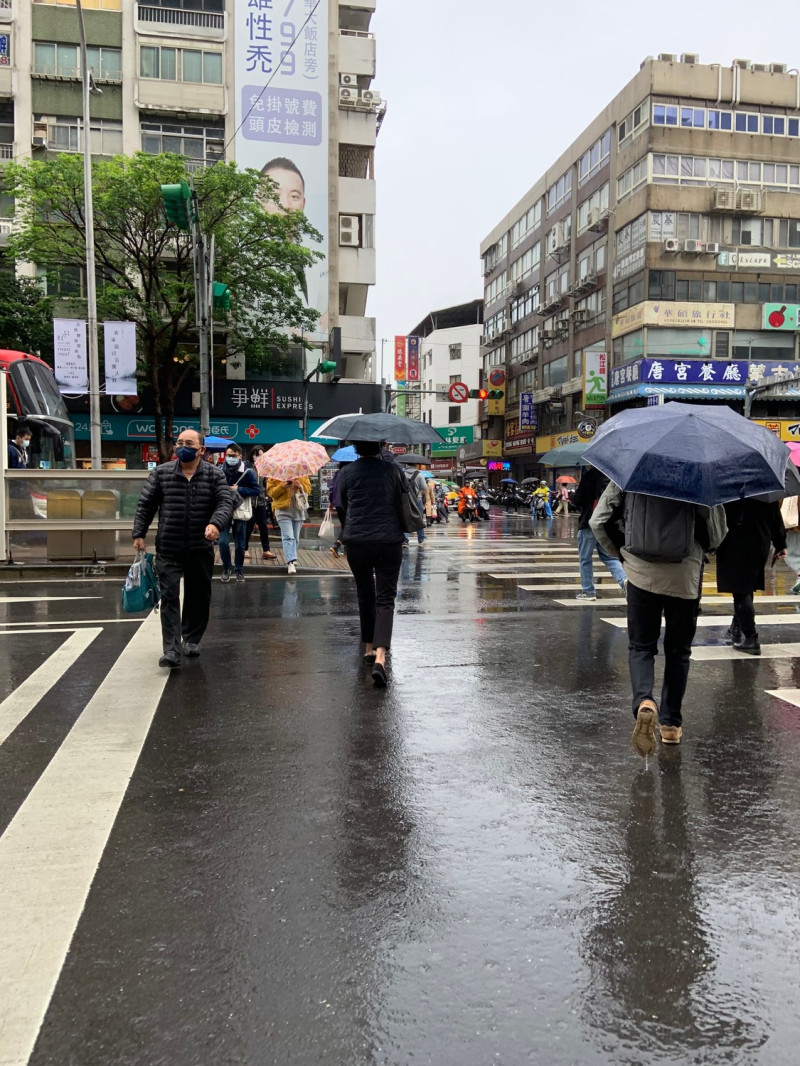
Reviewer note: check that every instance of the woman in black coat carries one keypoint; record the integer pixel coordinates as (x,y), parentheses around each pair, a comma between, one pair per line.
(752,526)
(372,529)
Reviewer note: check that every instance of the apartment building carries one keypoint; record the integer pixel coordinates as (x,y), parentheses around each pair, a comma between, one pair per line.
(217,80)
(666,237)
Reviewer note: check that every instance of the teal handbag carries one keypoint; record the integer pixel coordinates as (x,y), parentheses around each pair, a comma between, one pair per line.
(140,591)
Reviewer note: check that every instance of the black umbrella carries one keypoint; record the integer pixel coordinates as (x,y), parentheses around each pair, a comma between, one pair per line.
(791,486)
(412,459)
(379,426)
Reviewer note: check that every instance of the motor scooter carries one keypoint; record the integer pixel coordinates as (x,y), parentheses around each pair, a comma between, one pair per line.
(483,506)
(538,507)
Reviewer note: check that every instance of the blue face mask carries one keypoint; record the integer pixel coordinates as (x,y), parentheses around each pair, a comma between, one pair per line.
(186,455)
(232,460)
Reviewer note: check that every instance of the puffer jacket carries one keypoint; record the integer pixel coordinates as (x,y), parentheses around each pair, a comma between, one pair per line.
(282,492)
(369,494)
(186,506)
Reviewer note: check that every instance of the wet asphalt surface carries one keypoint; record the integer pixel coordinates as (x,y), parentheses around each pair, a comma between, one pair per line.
(471,867)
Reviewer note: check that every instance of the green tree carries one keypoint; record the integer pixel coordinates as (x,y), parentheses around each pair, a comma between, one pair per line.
(144,266)
(26,315)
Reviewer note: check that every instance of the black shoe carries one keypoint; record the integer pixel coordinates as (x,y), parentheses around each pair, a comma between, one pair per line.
(733,632)
(370,658)
(226,575)
(191,650)
(748,644)
(240,575)
(378,676)
(170,659)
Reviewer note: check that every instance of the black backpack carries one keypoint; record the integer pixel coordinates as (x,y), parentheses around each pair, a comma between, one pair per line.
(658,530)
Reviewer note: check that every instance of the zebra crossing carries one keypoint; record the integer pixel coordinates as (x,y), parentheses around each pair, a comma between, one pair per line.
(550,568)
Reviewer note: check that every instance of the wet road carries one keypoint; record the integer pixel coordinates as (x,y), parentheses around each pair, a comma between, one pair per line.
(470,868)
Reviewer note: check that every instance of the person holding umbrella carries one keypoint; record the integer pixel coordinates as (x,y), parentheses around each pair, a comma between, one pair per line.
(563,494)
(672,468)
(370,506)
(287,468)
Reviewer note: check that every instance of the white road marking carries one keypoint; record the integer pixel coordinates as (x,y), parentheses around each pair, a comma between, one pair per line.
(44,599)
(73,622)
(50,852)
(763,601)
(16,707)
(722,621)
(788,695)
(549,576)
(711,652)
(570,588)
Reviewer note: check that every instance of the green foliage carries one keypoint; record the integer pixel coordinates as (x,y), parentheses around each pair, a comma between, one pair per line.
(26,315)
(145,265)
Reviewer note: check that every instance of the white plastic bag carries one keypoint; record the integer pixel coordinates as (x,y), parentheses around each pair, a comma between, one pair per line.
(327,530)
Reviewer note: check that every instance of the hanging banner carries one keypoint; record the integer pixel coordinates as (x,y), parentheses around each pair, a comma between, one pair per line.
(528,412)
(399,359)
(281,105)
(413,358)
(595,379)
(71,359)
(120,358)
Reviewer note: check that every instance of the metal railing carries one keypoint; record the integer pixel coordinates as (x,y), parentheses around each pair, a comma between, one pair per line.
(172,16)
(357,33)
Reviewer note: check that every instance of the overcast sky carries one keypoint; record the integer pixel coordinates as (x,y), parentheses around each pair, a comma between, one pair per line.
(484,94)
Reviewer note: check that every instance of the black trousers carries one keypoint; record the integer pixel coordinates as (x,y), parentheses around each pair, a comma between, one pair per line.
(644,627)
(744,612)
(376,568)
(259,518)
(195,567)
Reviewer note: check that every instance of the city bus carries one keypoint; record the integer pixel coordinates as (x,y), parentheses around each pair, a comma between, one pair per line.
(33,398)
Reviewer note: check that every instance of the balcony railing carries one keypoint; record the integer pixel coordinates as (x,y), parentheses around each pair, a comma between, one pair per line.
(171,16)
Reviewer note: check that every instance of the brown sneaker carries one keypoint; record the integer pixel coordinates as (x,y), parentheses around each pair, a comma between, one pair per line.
(671,734)
(644,732)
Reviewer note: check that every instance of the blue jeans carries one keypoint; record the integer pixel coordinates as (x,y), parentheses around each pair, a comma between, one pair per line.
(290,534)
(239,544)
(420,532)
(587,542)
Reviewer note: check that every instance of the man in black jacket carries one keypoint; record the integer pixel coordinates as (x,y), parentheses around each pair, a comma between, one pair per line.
(588,492)
(194,505)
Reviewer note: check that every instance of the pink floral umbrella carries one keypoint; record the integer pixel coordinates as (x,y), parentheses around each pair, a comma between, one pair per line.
(291,459)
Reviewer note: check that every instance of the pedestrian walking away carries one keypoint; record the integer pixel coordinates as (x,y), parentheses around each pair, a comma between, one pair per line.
(194,505)
(260,515)
(244,480)
(752,526)
(290,504)
(588,492)
(563,501)
(791,522)
(656,530)
(369,493)
(418,487)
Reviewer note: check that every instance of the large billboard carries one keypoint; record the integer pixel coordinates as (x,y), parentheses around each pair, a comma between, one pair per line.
(281,92)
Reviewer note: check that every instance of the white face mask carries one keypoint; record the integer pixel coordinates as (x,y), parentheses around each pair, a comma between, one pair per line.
(26,443)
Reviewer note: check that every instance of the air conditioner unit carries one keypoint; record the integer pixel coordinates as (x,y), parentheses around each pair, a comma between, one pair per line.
(724,200)
(667,57)
(690,57)
(349,231)
(349,79)
(672,244)
(38,142)
(581,315)
(693,246)
(764,68)
(779,68)
(743,64)
(711,249)
(589,281)
(750,200)
(549,334)
(519,288)
(369,96)
(562,324)
(597,219)
(347,97)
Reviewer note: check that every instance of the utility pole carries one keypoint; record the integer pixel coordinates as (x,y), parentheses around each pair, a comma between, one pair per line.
(95,431)
(203,318)
(326,366)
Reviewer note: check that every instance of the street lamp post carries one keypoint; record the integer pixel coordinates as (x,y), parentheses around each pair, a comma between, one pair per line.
(95,432)
(326,366)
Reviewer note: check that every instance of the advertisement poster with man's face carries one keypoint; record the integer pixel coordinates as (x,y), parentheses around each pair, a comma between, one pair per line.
(284,127)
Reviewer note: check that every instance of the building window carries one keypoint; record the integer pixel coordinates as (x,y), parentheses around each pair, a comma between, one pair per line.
(594,159)
(90,5)
(64,61)
(454,378)
(632,178)
(63,134)
(201,144)
(555,373)
(454,415)
(530,221)
(180,64)
(525,305)
(455,353)
(559,192)
(527,263)
(633,124)
(495,289)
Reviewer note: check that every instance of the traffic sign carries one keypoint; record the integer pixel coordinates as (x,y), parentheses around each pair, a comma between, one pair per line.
(458,392)
(497,377)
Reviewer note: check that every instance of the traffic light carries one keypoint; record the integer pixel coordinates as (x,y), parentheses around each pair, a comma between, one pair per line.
(479,394)
(176,204)
(327,366)
(496,394)
(221,296)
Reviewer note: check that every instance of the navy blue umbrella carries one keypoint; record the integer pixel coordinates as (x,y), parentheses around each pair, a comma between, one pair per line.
(681,451)
(508,481)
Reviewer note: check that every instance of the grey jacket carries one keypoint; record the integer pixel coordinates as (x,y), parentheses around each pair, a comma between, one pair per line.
(681,580)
